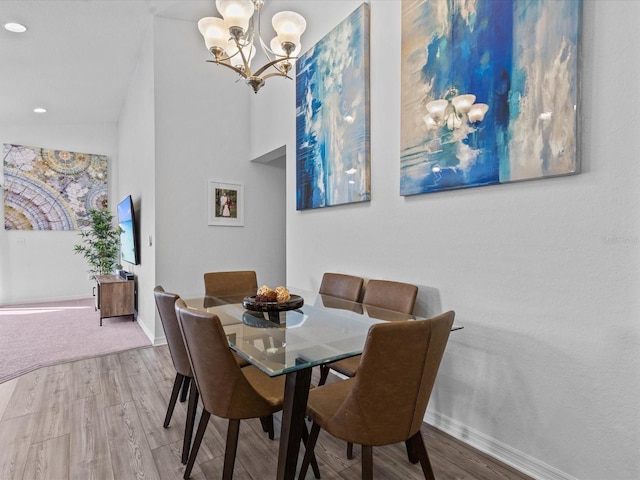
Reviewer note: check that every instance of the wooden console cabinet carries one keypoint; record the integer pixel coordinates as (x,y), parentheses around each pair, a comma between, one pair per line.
(116,296)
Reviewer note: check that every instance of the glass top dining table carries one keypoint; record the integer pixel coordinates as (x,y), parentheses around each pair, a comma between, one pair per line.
(290,342)
(324,329)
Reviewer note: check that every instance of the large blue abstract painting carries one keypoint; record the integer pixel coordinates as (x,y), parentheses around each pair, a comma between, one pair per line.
(332,117)
(489,92)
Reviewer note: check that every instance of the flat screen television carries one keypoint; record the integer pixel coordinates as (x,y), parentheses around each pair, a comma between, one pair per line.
(129,251)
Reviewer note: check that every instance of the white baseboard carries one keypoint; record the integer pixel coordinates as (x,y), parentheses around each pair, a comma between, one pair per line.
(155,341)
(502,452)
(147,332)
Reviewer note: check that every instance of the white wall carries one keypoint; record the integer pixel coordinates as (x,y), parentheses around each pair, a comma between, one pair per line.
(37,265)
(176,131)
(202,134)
(137,178)
(543,275)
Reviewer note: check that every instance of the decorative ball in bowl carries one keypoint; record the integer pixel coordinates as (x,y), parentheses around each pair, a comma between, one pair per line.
(276,300)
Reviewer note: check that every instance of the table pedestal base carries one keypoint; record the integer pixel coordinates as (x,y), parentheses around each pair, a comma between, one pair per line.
(296,393)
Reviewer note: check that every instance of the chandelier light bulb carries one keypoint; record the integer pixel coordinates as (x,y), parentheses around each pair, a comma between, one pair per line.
(214,32)
(477,112)
(436,109)
(462,103)
(276,47)
(453,121)
(289,26)
(236,13)
(431,123)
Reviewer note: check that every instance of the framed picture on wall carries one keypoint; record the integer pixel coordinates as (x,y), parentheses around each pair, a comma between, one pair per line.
(226,204)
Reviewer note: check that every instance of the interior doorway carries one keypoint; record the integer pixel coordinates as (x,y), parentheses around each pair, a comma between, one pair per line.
(277,159)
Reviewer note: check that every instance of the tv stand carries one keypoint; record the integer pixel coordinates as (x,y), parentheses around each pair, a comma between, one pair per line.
(116,297)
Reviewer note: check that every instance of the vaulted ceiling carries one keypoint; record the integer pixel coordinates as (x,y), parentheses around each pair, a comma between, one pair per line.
(77,56)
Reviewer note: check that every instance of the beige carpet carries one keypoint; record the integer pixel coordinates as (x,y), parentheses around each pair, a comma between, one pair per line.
(36,335)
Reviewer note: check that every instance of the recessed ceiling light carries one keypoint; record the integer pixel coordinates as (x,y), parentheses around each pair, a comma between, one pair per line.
(15,27)
(40,110)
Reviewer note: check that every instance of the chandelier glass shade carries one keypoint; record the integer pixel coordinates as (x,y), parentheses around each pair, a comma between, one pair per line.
(454,110)
(232,40)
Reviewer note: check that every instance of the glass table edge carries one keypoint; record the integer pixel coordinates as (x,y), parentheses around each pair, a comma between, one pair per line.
(302,365)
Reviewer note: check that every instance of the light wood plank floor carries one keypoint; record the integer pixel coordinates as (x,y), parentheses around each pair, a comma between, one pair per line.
(101,418)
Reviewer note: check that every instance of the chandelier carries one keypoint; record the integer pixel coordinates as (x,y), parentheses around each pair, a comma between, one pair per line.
(454,110)
(230,40)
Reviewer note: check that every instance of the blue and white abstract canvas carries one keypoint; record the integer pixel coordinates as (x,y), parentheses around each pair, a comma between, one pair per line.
(332,117)
(517,57)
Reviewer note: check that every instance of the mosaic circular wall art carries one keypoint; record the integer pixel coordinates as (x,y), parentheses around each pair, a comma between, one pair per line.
(51,189)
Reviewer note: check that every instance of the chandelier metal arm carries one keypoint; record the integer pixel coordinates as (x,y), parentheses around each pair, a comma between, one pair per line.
(245,60)
(277,74)
(239,71)
(246,74)
(273,63)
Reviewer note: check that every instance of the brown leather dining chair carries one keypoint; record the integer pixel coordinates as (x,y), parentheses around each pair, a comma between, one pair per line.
(239,283)
(389,295)
(234,286)
(344,287)
(227,391)
(165,302)
(399,364)
(347,287)
(386,294)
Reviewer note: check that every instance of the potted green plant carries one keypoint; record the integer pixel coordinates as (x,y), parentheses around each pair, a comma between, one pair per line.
(101,243)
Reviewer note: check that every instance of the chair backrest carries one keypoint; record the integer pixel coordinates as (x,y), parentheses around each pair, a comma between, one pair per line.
(222,284)
(396,296)
(165,302)
(397,371)
(347,287)
(224,389)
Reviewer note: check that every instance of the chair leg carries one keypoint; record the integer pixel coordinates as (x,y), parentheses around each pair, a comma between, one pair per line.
(172,401)
(411,453)
(230,450)
(202,426)
(267,425)
(324,373)
(349,450)
(191,420)
(418,448)
(367,462)
(314,461)
(185,388)
(308,454)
